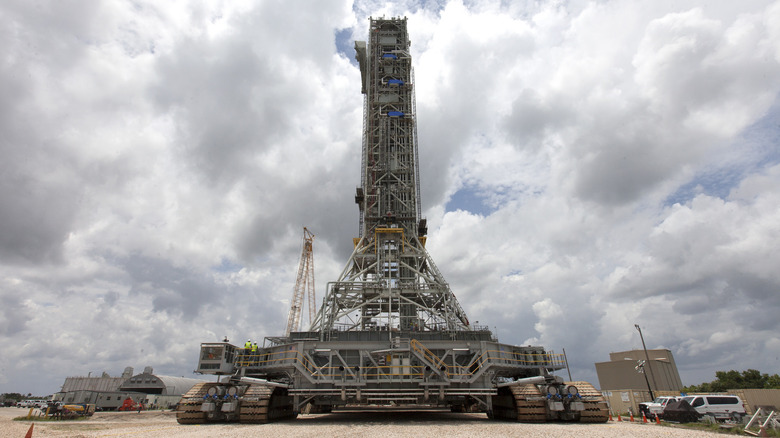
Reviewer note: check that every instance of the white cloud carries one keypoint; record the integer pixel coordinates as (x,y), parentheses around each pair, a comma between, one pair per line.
(160,161)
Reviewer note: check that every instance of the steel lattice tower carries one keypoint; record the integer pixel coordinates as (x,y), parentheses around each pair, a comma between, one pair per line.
(304,284)
(390,281)
(389,332)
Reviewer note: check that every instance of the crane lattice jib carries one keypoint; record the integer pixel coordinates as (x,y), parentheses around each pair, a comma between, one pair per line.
(390,281)
(304,285)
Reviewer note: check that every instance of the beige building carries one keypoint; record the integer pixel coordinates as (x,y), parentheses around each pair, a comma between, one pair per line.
(620,372)
(625,388)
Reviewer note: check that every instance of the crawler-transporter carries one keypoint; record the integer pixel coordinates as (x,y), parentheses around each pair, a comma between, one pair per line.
(389,333)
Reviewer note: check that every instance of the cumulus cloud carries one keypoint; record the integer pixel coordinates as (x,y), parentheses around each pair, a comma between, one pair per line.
(585,166)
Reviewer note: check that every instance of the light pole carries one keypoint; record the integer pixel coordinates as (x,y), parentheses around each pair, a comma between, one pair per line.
(649,366)
(640,368)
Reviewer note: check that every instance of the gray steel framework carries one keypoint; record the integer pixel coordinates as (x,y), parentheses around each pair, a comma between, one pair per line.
(390,332)
(362,367)
(390,281)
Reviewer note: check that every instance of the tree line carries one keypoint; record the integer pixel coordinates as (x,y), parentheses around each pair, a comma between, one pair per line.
(748,379)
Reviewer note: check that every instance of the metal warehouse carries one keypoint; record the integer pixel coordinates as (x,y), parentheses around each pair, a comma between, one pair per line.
(108,393)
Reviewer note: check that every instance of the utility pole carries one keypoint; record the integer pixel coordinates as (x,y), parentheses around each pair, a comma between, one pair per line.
(649,366)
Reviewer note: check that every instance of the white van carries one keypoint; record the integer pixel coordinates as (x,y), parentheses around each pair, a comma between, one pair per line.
(718,406)
(32,403)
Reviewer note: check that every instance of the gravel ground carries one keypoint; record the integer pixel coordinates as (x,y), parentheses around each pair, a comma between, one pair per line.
(364,424)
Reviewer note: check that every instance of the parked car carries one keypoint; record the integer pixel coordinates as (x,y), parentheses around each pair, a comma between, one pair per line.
(31,403)
(656,407)
(51,406)
(720,407)
(643,408)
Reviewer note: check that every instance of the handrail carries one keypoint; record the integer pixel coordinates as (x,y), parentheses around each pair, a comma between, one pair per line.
(427,354)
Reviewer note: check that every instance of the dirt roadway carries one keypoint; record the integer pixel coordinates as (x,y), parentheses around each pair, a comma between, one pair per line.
(384,425)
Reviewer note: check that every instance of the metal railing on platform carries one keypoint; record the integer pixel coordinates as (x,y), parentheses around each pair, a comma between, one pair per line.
(290,356)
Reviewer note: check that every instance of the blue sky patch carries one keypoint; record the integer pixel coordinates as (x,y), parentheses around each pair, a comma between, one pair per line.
(756,149)
(228,266)
(716,182)
(345,45)
(470,199)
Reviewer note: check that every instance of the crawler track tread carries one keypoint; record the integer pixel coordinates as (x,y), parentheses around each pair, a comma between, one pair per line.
(530,404)
(255,404)
(596,408)
(188,411)
(190,417)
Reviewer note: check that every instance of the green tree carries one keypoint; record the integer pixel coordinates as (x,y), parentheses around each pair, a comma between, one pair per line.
(726,379)
(704,387)
(754,379)
(748,379)
(772,382)
(11,396)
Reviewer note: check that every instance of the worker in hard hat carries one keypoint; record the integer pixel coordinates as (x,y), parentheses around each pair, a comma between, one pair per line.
(247,349)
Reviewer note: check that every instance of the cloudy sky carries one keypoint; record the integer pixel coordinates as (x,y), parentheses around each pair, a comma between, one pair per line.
(586,166)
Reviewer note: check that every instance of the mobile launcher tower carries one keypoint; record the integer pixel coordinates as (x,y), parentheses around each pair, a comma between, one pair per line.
(389,332)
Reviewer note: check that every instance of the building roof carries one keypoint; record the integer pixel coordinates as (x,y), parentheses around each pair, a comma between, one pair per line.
(154,384)
(104,383)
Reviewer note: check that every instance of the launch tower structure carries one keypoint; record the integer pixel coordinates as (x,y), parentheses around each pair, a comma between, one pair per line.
(390,332)
(390,281)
